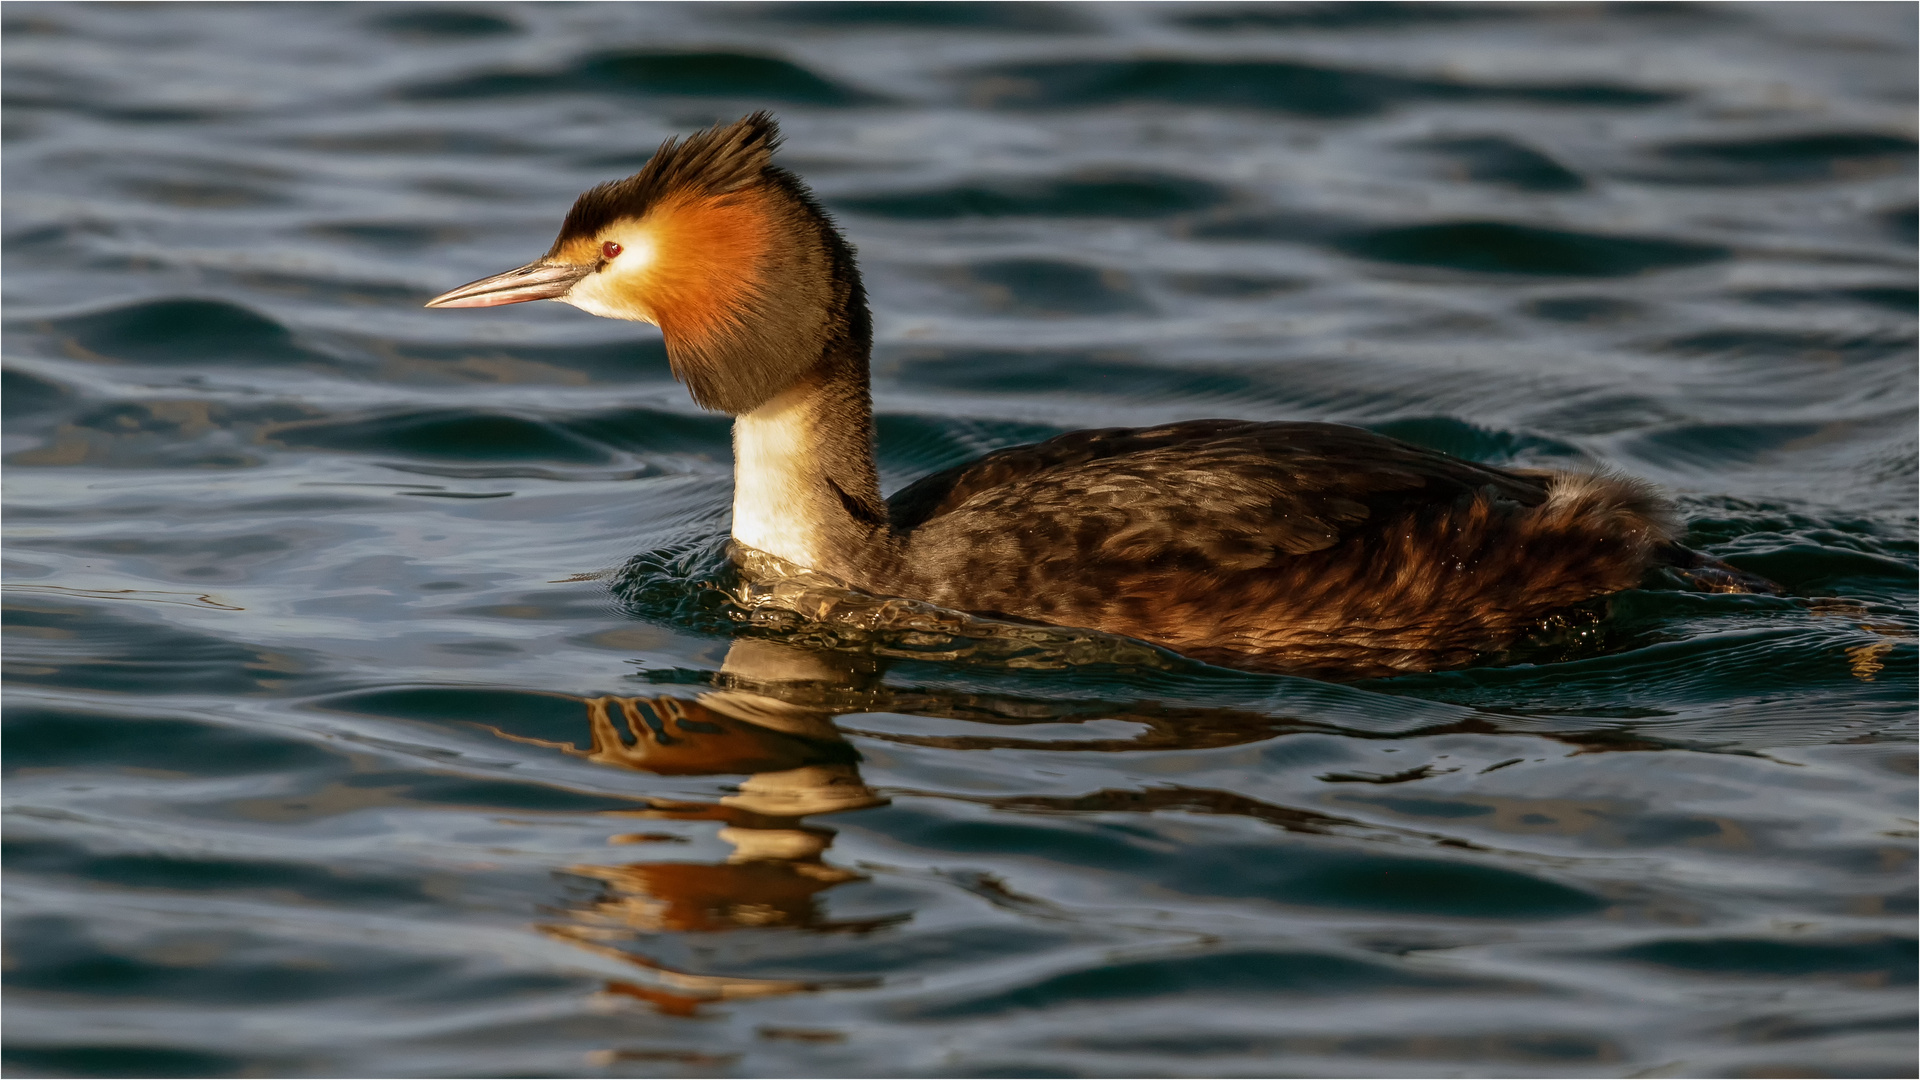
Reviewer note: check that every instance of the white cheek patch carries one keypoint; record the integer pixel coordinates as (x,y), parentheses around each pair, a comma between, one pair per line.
(617,289)
(637,254)
(593,296)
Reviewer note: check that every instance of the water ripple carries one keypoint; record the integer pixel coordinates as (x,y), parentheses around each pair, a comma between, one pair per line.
(382,699)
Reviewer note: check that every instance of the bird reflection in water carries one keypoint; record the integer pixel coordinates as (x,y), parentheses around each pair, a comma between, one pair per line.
(798,767)
(772,717)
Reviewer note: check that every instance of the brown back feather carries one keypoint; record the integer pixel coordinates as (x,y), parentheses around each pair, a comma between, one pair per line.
(1313,548)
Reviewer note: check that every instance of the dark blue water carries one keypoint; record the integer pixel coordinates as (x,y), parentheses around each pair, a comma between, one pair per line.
(380,702)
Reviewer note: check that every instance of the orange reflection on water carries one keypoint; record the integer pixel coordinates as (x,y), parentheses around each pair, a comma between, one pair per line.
(796,764)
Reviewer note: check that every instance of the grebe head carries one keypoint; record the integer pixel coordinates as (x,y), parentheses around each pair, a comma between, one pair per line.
(725,252)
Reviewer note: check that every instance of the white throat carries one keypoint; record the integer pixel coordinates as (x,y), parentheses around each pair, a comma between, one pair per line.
(776,481)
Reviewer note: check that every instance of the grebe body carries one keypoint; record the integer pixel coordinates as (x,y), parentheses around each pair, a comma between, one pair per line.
(1310,548)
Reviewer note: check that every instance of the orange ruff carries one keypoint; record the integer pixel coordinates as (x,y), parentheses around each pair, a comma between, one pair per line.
(702,273)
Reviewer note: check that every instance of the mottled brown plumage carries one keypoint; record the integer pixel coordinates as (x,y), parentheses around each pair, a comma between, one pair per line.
(1313,548)
(1300,547)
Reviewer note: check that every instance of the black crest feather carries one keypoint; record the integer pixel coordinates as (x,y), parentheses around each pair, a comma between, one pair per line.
(720,159)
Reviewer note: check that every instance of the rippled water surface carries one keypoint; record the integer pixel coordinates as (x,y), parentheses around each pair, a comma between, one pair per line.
(377,705)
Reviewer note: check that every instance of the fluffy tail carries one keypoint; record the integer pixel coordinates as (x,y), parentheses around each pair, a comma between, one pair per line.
(1637,507)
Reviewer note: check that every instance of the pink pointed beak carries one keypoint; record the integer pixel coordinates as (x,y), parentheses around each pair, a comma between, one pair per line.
(534,281)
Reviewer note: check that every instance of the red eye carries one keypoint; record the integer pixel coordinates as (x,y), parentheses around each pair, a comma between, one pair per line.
(609,249)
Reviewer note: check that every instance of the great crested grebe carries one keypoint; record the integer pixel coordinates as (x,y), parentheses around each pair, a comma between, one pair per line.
(1302,547)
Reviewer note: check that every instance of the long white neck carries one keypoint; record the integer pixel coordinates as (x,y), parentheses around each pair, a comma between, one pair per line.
(804,483)
(778,480)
